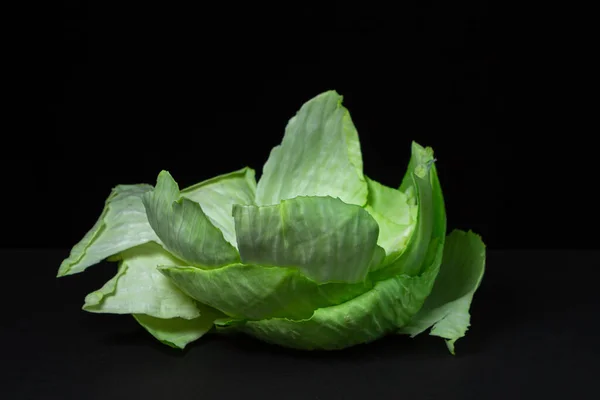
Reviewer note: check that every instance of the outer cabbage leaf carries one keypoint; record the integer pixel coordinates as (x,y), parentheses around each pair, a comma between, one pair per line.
(428,194)
(139,288)
(122,225)
(319,156)
(157,304)
(382,310)
(179,332)
(184,228)
(447,308)
(216,197)
(255,292)
(325,238)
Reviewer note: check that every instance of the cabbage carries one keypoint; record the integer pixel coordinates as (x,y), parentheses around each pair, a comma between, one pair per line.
(315,255)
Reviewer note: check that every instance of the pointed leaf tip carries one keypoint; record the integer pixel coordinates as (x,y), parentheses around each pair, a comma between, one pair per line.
(184,228)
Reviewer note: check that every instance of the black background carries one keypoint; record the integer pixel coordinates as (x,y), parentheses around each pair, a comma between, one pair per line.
(121,92)
(114,93)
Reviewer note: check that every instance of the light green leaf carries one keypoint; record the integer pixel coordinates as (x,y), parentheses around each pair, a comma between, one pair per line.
(447,308)
(184,228)
(122,225)
(370,316)
(395,216)
(391,304)
(431,213)
(390,203)
(139,288)
(325,238)
(179,332)
(319,156)
(256,292)
(216,197)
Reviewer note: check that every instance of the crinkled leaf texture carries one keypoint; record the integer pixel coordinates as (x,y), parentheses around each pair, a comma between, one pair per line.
(184,227)
(140,289)
(122,225)
(123,233)
(399,291)
(447,307)
(325,238)
(316,255)
(319,156)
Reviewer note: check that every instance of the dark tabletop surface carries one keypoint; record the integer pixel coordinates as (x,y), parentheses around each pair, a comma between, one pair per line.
(533,336)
